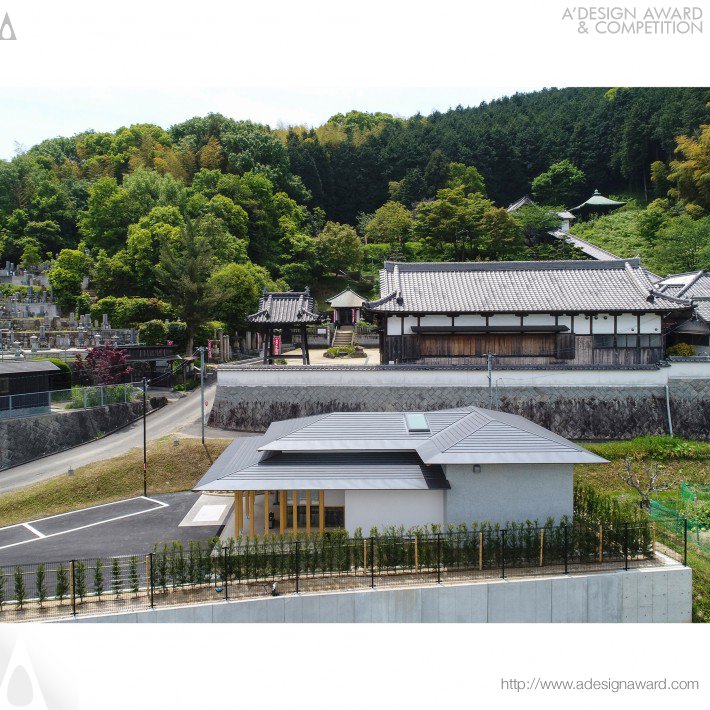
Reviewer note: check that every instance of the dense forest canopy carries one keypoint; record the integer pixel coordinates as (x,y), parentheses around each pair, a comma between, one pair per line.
(219,206)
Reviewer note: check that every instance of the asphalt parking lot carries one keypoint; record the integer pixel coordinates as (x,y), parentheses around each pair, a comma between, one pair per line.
(125,527)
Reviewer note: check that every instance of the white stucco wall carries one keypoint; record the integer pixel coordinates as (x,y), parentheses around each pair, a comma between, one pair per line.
(365,509)
(508,492)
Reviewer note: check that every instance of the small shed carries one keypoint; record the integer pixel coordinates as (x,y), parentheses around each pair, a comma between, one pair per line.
(346,306)
(25,386)
(280,311)
(597,204)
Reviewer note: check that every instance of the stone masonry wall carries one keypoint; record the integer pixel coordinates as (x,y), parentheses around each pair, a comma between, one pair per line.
(28,438)
(595,413)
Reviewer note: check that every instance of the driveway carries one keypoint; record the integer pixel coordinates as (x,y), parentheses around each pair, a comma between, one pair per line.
(125,527)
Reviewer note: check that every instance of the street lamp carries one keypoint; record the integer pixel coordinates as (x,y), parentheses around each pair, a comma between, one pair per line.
(202,392)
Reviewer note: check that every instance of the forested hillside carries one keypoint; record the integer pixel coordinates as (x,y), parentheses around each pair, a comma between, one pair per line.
(206,213)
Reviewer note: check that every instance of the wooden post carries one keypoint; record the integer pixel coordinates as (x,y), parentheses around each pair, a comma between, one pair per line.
(304,345)
(266,513)
(282,511)
(542,544)
(295,511)
(654,538)
(480,550)
(321,512)
(237,513)
(416,553)
(251,513)
(601,544)
(308,512)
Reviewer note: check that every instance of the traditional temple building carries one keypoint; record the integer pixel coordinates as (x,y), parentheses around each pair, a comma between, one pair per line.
(527,313)
(694,329)
(347,306)
(597,204)
(279,315)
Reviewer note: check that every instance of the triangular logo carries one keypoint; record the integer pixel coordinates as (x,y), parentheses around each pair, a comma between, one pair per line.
(20,687)
(6,29)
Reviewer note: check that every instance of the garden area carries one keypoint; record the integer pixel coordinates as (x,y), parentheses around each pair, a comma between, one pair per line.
(673,476)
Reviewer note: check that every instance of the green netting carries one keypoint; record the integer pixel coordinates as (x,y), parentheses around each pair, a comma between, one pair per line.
(671,519)
(694,491)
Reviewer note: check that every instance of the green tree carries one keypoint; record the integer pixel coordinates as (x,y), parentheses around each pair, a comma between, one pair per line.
(98,578)
(31,255)
(561,184)
(239,287)
(62,582)
(683,245)
(536,221)
(690,172)
(467,176)
(41,583)
(116,581)
(154,332)
(183,279)
(390,224)
(19,587)
(133,574)
(80,579)
(339,248)
(460,227)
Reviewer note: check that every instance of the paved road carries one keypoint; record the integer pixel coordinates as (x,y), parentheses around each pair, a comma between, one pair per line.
(182,415)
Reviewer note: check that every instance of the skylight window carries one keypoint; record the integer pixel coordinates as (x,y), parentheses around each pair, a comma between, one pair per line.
(416,421)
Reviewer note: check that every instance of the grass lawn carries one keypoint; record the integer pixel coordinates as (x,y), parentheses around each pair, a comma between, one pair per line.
(170,469)
(680,461)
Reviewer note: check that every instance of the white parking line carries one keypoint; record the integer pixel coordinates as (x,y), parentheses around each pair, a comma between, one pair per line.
(33,530)
(160,504)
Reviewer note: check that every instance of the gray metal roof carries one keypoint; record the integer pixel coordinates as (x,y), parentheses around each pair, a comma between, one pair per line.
(694,285)
(12,367)
(333,471)
(291,307)
(619,285)
(597,200)
(376,450)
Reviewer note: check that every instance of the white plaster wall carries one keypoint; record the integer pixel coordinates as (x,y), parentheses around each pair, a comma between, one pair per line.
(504,319)
(603,324)
(650,323)
(365,509)
(543,319)
(347,376)
(469,319)
(627,323)
(508,492)
(650,595)
(581,325)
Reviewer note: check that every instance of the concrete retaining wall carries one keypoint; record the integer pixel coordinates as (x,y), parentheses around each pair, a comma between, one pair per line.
(28,438)
(605,408)
(651,595)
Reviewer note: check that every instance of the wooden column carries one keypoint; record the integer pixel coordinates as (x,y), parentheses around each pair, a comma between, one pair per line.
(308,512)
(266,512)
(237,512)
(251,512)
(321,512)
(295,511)
(282,511)
(304,345)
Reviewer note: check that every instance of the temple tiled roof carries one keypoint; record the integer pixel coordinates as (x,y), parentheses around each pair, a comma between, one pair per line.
(289,308)
(525,286)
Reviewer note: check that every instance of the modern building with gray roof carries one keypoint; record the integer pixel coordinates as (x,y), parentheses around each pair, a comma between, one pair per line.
(606,312)
(364,469)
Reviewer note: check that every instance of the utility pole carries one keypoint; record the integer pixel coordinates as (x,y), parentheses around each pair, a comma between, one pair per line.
(202,392)
(145,453)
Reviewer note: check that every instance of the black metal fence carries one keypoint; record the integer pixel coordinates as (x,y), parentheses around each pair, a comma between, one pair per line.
(175,574)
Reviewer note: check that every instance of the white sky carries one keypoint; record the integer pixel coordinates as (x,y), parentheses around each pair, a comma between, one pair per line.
(30,115)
